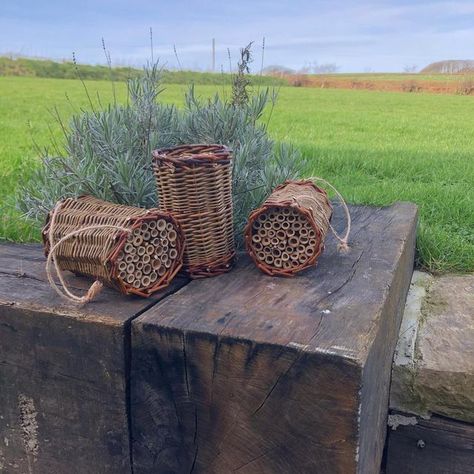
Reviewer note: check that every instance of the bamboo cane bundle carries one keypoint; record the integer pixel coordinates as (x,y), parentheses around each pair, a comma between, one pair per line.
(116,246)
(286,234)
(195,184)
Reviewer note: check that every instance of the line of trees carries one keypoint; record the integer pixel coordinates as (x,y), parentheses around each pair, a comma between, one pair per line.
(312,67)
(450,66)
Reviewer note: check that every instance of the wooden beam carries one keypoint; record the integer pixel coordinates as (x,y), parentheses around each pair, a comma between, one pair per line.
(437,445)
(63,372)
(249,373)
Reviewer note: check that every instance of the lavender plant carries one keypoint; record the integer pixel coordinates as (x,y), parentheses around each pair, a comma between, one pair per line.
(259,163)
(107,153)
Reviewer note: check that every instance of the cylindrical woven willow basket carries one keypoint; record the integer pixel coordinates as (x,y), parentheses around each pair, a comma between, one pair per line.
(286,234)
(139,260)
(195,184)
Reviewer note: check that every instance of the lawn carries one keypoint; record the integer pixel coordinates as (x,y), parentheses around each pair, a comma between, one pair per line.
(376,147)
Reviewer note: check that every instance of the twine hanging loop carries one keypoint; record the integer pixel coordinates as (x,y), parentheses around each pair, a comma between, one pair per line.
(66,293)
(134,250)
(343,245)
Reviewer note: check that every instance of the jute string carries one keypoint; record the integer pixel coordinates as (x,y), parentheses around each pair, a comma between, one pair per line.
(343,245)
(97,286)
(307,198)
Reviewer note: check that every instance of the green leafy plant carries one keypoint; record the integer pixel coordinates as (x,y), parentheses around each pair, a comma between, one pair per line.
(107,153)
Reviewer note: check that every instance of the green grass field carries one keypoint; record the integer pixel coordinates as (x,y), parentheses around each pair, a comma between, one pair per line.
(376,147)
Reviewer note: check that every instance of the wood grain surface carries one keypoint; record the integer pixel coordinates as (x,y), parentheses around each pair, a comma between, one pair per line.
(435,446)
(63,372)
(254,374)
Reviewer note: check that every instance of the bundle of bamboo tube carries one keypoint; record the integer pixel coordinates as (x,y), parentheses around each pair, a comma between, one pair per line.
(137,251)
(286,234)
(148,254)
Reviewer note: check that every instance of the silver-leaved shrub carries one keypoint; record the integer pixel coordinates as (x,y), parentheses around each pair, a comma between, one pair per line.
(107,153)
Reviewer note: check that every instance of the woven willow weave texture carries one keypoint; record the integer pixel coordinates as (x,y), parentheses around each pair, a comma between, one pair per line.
(140,260)
(195,185)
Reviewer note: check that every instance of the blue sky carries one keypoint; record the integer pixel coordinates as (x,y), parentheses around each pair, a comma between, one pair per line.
(358,36)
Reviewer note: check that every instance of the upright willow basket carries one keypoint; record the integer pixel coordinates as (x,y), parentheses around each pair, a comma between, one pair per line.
(286,234)
(140,258)
(195,184)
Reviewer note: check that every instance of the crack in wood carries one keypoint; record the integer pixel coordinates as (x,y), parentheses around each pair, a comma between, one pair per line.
(185,362)
(282,375)
(333,291)
(196,451)
(214,367)
(19,274)
(29,276)
(194,460)
(260,456)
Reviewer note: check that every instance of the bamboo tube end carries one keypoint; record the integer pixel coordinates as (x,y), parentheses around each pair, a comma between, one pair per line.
(286,237)
(150,252)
